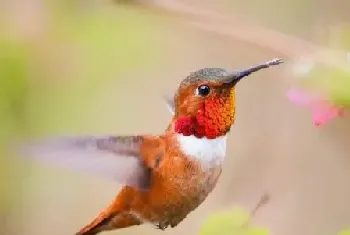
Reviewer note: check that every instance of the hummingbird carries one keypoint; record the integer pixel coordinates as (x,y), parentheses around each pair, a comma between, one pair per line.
(165,177)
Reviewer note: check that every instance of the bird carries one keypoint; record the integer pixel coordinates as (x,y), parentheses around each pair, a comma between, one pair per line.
(167,176)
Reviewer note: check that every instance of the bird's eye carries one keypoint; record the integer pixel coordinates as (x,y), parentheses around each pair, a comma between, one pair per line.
(203,90)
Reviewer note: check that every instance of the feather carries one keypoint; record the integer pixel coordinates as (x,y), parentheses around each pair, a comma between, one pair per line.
(170,105)
(113,157)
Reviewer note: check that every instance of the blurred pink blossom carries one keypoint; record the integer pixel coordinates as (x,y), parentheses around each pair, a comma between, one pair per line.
(322,109)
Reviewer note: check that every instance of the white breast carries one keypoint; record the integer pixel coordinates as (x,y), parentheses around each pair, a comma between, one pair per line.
(210,152)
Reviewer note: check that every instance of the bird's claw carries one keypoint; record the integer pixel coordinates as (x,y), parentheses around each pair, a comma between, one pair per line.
(162,226)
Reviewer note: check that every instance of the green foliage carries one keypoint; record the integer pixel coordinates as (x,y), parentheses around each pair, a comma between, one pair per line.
(236,222)
(332,80)
(81,51)
(345,232)
(48,80)
(13,64)
(13,88)
(233,222)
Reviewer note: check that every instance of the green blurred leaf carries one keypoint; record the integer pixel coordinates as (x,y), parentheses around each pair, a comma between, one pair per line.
(49,80)
(82,51)
(330,80)
(345,232)
(257,231)
(233,222)
(14,59)
(333,81)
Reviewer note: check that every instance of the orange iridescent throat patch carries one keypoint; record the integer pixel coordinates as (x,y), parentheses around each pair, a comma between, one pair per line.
(213,119)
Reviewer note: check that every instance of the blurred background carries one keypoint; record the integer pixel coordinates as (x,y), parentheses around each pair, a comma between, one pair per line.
(101,67)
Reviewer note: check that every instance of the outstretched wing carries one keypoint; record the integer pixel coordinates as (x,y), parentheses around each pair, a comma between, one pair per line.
(170,104)
(115,157)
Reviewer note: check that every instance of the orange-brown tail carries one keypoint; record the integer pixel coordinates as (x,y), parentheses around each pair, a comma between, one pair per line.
(115,216)
(112,221)
(97,225)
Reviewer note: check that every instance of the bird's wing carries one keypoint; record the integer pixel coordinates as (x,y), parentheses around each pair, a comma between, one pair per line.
(170,104)
(118,158)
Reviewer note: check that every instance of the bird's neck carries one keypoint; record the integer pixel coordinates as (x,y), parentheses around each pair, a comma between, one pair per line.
(208,122)
(209,152)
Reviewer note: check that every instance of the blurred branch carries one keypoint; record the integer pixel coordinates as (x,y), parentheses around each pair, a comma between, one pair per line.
(214,22)
(264,199)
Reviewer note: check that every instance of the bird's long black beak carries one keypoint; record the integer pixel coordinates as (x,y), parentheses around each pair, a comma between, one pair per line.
(235,77)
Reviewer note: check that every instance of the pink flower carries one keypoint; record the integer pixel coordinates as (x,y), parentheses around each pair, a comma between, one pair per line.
(322,110)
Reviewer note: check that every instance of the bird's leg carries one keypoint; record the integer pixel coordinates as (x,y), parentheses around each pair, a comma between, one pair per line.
(162,225)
